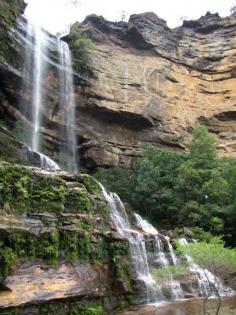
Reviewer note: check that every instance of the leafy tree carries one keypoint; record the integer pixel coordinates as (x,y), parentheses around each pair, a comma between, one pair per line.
(117,179)
(176,190)
(202,191)
(154,181)
(203,147)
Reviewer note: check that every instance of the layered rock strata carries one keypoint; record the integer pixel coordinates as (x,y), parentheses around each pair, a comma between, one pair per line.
(58,243)
(138,83)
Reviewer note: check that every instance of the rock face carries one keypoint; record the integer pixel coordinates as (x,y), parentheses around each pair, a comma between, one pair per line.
(58,243)
(143,84)
(151,84)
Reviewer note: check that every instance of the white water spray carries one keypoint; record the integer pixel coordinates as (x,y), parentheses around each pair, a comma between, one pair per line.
(67,106)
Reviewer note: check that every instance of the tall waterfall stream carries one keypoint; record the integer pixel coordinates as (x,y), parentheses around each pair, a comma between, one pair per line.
(38,46)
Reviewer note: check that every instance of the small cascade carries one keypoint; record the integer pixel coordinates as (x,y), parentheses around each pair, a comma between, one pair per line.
(67,106)
(41,160)
(160,255)
(173,286)
(137,247)
(145,225)
(205,277)
(152,251)
(172,253)
(175,289)
(48,163)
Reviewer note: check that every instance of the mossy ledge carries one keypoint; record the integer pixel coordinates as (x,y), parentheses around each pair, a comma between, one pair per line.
(57,242)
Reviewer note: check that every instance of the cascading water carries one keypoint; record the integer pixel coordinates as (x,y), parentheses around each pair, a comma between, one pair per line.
(163,256)
(172,253)
(205,277)
(67,105)
(137,246)
(38,44)
(174,286)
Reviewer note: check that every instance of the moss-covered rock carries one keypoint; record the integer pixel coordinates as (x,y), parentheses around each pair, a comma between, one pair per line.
(9,11)
(56,226)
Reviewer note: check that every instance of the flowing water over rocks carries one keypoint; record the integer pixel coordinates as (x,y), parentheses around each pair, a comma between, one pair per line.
(152,252)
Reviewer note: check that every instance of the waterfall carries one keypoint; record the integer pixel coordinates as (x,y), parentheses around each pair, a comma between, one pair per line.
(174,286)
(138,250)
(160,255)
(39,46)
(67,106)
(137,246)
(173,256)
(205,277)
(40,49)
(140,235)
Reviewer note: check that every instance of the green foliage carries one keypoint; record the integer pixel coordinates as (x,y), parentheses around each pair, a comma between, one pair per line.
(78,200)
(90,184)
(90,310)
(7,259)
(119,260)
(8,12)
(170,270)
(201,235)
(203,189)
(20,190)
(156,177)
(80,45)
(116,179)
(176,190)
(203,147)
(213,256)
(48,247)
(76,246)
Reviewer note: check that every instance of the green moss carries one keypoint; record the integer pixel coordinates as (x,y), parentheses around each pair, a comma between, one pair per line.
(68,244)
(21,190)
(91,184)
(9,10)
(120,261)
(11,311)
(83,307)
(78,200)
(7,259)
(90,310)
(84,248)
(48,247)
(80,44)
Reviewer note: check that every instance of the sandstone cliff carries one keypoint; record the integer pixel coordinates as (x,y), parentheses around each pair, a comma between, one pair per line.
(151,84)
(143,83)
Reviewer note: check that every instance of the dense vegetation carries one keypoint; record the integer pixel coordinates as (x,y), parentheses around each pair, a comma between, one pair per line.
(176,190)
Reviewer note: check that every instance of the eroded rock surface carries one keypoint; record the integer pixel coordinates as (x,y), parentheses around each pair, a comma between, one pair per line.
(143,83)
(152,84)
(57,241)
